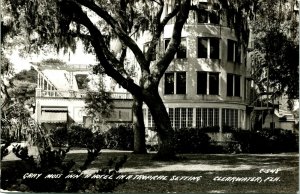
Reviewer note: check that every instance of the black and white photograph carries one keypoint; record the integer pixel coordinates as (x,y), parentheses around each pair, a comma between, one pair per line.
(149,96)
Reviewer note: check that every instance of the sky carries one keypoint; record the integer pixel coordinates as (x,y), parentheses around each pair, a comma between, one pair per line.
(23,63)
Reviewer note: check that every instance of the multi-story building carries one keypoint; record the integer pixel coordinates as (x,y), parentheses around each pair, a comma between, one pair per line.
(206,83)
(60,97)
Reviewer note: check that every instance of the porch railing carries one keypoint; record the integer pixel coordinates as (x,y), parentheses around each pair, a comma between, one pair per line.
(77,94)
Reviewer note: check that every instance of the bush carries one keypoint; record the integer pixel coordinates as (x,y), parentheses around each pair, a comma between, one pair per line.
(228,129)
(79,136)
(120,137)
(210,129)
(191,140)
(53,162)
(266,141)
(59,136)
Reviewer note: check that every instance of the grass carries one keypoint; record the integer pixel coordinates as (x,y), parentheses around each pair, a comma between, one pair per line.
(208,166)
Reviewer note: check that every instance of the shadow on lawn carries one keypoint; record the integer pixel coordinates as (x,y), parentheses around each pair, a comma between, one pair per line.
(208,166)
(199,162)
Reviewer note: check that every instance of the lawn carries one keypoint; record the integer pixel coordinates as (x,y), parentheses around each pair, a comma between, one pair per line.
(205,173)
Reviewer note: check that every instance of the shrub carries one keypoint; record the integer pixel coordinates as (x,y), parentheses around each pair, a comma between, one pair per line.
(210,129)
(191,140)
(59,136)
(4,148)
(122,136)
(53,162)
(79,136)
(266,141)
(228,129)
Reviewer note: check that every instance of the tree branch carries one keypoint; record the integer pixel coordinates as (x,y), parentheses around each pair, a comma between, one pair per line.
(118,30)
(164,62)
(160,27)
(170,15)
(106,58)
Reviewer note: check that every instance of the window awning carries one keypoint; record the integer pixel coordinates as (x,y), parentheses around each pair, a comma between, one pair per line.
(54,117)
(55,108)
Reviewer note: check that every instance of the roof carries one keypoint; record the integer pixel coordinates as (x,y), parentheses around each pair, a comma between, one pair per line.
(285,115)
(61,79)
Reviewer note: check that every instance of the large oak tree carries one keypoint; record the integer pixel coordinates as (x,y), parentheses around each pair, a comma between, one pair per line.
(96,23)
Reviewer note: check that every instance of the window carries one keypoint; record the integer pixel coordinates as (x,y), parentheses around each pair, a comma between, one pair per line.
(233,51)
(230,50)
(212,84)
(216,117)
(171,115)
(229,84)
(201,82)
(198,117)
(169,83)
(150,120)
(181,52)
(180,83)
(183,117)
(145,49)
(214,18)
(214,48)
(204,117)
(202,16)
(202,47)
(233,85)
(205,16)
(230,117)
(237,55)
(237,85)
(190,117)
(207,117)
(177,118)
(208,45)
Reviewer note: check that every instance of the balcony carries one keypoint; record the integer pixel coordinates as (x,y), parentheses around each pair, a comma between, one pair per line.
(76,94)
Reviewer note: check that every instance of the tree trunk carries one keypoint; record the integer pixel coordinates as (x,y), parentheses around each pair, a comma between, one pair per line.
(138,127)
(165,132)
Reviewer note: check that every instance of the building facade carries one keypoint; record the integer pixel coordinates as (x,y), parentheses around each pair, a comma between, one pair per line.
(60,97)
(206,84)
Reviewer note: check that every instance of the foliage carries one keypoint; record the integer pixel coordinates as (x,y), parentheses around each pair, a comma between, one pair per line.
(210,129)
(22,91)
(123,135)
(266,141)
(84,137)
(191,140)
(82,81)
(7,73)
(52,61)
(276,48)
(99,104)
(14,120)
(18,94)
(53,162)
(227,129)
(59,135)
(4,150)
(26,75)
